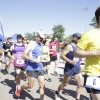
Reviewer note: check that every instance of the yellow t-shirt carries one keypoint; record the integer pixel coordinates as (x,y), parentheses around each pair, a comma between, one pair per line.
(90,41)
(46,54)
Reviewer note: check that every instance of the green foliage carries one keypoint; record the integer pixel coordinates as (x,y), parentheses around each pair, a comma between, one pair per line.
(69,38)
(58,32)
(93,22)
(29,36)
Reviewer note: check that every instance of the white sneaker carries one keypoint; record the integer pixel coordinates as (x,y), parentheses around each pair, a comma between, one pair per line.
(57,96)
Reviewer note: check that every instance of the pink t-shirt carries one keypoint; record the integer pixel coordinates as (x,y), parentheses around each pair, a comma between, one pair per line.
(53,48)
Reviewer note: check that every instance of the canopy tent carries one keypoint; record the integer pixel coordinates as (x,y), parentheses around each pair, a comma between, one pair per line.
(1,31)
(1,38)
(14,37)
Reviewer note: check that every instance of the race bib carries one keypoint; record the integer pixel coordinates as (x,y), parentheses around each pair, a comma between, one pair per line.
(54,47)
(20,61)
(93,82)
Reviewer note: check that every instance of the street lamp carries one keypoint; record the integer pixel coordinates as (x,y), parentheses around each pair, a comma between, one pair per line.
(85,9)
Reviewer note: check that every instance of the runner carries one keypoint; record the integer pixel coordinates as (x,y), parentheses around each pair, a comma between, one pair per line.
(34,65)
(72,67)
(1,55)
(46,56)
(24,41)
(6,47)
(53,54)
(19,63)
(86,47)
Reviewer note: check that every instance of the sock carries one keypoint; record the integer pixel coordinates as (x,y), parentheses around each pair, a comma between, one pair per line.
(19,87)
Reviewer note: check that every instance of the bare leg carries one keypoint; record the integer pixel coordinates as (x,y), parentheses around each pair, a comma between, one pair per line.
(18,72)
(95,96)
(42,86)
(64,83)
(48,68)
(79,80)
(30,83)
(56,64)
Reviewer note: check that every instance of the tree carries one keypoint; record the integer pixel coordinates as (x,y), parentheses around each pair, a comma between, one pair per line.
(58,32)
(29,36)
(69,38)
(93,22)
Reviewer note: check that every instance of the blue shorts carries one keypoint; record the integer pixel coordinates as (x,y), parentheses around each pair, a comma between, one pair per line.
(72,71)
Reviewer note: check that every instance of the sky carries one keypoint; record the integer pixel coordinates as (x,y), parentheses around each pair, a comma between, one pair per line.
(21,16)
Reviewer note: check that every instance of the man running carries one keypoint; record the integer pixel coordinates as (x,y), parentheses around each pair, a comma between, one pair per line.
(17,50)
(88,47)
(34,67)
(72,67)
(53,54)
(6,47)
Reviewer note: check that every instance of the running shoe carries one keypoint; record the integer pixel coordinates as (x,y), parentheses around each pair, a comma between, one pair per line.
(55,73)
(17,92)
(49,79)
(57,96)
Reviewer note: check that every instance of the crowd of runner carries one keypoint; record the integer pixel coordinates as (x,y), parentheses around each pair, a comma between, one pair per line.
(33,60)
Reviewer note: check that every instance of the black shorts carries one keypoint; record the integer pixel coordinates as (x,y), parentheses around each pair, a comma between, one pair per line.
(15,68)
(46,63)
(53,58)
(90,90)
(35,74)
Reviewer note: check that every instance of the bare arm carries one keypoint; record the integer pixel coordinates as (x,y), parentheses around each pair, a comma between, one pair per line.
(27,50)
(9,53)
(81,53)
(67,49)
(1,51)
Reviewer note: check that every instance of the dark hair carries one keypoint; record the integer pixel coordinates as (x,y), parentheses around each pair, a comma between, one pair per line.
(24,38)
(44,42)
(97,14)
(19,36)
(65,44)
(9,38)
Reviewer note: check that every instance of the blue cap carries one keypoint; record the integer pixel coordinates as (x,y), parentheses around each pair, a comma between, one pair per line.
(78,35)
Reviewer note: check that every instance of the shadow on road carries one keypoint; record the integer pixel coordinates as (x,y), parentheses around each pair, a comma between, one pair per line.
(12,73)
(61,67)
(12,85)
(50,93)
(73,94)
(71,82)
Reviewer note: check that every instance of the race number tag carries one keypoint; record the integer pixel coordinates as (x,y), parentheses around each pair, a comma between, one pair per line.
(93,82)
(20,61)
(54,47)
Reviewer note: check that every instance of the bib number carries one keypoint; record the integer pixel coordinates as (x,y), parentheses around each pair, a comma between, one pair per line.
(93,82)
(54,47)
(20,61)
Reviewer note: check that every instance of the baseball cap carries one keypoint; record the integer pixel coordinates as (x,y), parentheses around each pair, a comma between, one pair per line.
(78,35)
(39,33)
(19,36)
